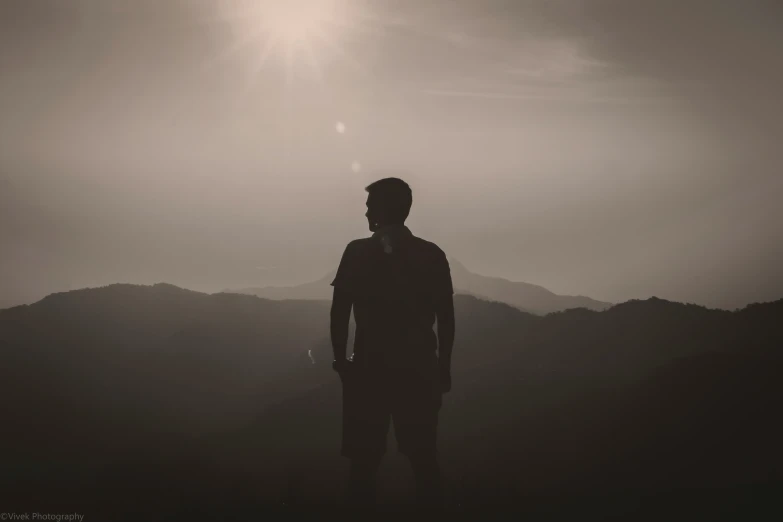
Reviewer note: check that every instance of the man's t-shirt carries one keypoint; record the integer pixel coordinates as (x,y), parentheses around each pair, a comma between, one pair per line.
(395,289)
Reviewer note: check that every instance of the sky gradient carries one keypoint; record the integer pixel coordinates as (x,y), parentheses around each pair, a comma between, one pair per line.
(615,149)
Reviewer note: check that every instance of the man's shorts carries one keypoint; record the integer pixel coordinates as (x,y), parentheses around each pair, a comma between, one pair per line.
(371,398)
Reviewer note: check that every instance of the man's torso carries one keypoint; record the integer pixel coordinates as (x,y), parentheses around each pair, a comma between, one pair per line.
(394,299)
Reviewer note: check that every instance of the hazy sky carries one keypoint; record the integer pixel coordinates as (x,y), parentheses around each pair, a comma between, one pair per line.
(611,148)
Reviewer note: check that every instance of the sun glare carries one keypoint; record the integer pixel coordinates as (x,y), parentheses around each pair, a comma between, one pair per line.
(297,31)
(295,21)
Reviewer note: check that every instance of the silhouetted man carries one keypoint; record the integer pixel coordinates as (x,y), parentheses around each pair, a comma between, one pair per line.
(397,284)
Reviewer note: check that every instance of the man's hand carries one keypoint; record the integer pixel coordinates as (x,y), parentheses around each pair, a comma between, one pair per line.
(445,314)
(340,317)
(341,366)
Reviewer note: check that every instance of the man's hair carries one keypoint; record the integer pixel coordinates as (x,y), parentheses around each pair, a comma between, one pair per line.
(394,196)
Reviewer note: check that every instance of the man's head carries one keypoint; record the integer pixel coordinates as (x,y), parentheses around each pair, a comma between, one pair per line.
(389,202)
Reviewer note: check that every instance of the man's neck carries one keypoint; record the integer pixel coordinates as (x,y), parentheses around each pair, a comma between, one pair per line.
(393,229)
(389,236)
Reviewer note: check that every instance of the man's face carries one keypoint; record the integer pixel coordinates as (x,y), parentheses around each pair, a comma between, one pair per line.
(372,215)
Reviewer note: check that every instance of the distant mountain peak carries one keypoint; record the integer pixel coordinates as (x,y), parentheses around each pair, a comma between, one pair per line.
(454,263)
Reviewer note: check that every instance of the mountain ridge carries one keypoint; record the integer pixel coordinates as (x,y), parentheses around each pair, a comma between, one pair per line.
(152,381)
(524,296)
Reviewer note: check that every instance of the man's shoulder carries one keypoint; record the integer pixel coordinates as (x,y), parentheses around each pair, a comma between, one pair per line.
(351,263)
(438,271)
(428,247)
(357,250)
(359,244)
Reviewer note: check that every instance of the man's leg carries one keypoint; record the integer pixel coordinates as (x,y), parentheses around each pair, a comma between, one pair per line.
(415,416)
(366,418)
(429,484)
(363,481)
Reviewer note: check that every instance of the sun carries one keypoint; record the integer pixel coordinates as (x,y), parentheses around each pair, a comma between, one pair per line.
(295,22)
(295,31)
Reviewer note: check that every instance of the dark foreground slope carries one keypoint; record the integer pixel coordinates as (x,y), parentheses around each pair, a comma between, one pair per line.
(131,402)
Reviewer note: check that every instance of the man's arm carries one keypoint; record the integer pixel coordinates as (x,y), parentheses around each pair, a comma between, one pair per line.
(444,310)
(340,320)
